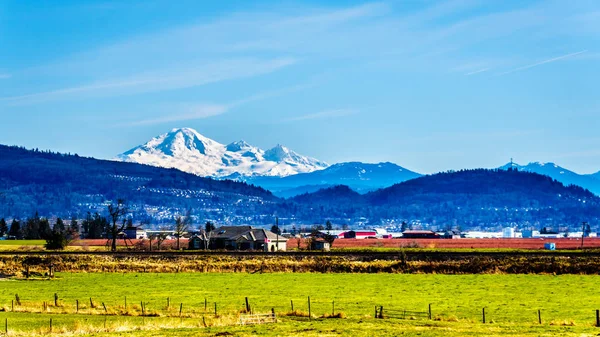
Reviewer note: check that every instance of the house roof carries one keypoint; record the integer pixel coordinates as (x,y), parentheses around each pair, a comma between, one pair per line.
(229,232)
(418,232)
(246,233)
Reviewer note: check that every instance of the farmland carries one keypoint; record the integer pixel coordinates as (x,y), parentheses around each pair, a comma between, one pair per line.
(511,302)
(500,243)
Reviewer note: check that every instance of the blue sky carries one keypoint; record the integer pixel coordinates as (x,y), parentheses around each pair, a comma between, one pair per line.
(429,85)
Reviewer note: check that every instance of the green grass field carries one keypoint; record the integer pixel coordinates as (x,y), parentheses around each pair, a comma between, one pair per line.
(567,304)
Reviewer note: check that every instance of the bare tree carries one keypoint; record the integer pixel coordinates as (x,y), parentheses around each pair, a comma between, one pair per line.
(207,233)
(160,237)
(182,225)
(116,212)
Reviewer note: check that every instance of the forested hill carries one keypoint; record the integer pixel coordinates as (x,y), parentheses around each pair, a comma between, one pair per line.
(68,185)
(64,185)
(508,188)
(470,198)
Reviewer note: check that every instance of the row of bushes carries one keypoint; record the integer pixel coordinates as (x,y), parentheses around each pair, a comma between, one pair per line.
(16,265)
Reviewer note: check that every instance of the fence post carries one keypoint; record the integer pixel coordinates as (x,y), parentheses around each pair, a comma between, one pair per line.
(247,305)
(483,314)
(205,304)
(292,303)
(142,306)
(12,305)
(6,326)
(381,311)
(429,311)
(215,309)
(332,308)
(91,303)
(539,316)
(168,303)
(77,306)
(309,315)
(105,310)
(180,309)
(598,318)
(125,303)
(50,324)
(273,312)
(55,299)
(375,311)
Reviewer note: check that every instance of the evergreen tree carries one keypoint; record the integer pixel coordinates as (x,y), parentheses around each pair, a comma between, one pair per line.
(59,226)
(328,226)
(209,227)
(15,229)
(74,227)
(44,228)
(3,227)
(32,228)
(94,226)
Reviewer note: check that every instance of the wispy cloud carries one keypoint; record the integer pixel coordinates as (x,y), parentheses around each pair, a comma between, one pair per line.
(183,77)
(4,76)
(194,111)
(477,71)
(554,59)
(190,112)
(324,114)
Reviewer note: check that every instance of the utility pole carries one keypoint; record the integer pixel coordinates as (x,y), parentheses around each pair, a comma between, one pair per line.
(583,228)
(277,242)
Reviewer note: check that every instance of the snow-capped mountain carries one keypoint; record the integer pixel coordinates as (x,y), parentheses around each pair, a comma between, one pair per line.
(189,151)
(567,177)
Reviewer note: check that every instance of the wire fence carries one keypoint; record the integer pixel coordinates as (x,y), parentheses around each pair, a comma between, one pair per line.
(61,315)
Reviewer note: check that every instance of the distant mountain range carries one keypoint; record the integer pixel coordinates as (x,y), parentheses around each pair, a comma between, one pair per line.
(565,176)
(189,151)
(360,177)
(470,199)
(55,184)
(287,173)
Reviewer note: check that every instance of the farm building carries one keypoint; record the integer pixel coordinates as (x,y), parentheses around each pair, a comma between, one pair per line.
(338,234)
(416,234)
(361,234)
(133,232)
(197,241)
(246,238)
(320,244)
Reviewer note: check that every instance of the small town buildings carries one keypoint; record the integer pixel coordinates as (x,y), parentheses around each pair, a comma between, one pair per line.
(246,238)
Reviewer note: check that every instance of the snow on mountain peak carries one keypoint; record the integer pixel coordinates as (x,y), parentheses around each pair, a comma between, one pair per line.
(238,146)
(186,149)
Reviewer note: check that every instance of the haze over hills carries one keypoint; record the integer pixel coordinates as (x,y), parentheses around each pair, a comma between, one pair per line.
(189,151)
